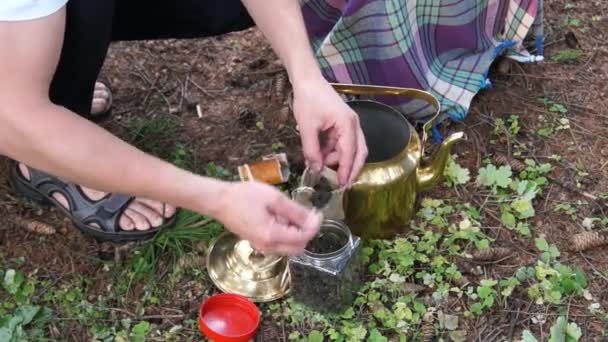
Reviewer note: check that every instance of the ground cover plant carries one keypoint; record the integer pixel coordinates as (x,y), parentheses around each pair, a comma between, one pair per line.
(511,247)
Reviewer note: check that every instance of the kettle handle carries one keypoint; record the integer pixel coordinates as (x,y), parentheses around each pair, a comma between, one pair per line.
(358,89)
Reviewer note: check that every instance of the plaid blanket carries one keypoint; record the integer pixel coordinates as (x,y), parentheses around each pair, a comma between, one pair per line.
(442,46)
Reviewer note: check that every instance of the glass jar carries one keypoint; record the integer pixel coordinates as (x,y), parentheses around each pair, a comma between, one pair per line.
(328,275)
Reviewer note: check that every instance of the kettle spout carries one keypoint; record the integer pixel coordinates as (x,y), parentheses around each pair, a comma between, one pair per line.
(431,175)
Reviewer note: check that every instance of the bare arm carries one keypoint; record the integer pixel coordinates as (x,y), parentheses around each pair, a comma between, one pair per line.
(283,25)
(53,139)
(317,107)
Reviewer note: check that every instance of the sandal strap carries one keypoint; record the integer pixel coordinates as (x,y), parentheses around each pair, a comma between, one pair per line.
(105,212)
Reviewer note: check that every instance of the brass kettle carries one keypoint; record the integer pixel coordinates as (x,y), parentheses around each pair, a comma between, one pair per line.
(381,203)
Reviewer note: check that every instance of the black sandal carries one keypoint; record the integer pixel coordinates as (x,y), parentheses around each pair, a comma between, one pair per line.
(83,211)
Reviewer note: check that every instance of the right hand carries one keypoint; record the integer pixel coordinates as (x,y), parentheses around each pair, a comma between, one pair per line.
(270,221)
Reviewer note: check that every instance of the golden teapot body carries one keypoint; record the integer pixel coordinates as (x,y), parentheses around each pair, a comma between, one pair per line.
(381,203)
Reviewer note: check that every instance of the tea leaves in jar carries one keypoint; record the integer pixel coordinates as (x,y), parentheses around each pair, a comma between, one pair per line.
(326,242)
(328,275)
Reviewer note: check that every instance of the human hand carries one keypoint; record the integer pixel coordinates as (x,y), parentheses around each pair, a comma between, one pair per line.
(319,109)
(270,221)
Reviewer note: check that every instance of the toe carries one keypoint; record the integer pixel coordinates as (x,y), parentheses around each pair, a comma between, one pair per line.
(98,106)
(59,197)
(101,97)
(99,85)
(154,218)
(25,172)
(125,223)
(163,209)
(170,211)
(101,94)
(140,221)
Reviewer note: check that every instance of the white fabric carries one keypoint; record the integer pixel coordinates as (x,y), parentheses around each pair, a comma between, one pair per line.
(18,10)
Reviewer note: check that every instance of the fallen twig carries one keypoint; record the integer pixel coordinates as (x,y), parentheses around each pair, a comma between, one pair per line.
(543,77)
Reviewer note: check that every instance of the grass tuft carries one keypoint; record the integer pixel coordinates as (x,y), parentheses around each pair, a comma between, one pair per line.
(172,243)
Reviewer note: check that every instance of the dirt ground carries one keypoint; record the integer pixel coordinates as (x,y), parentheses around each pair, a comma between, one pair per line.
(236,83)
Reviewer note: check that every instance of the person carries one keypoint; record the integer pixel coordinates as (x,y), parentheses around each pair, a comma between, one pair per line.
(51,53)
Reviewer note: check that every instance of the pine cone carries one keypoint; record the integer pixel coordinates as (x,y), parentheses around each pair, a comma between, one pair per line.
(491,254)
(279,90)
(588,240)
(516,165)
(36,227)
(413,288)
(427,331)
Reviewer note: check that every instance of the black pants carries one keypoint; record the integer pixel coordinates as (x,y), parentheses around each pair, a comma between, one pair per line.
(92,25)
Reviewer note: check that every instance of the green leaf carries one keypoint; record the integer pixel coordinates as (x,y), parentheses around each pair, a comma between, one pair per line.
(491,176)
(527,336)
(523,229)
(140,330)
(315,336)
(27,313)
(545,132)
(458,336)
(523,208)
(555,297)
(553,252)
(487,175)
(558,330)
(503,176)
(488,282)
(567,55)
(541,244)
(357,333)
(12,281)
(333,334)
(476,308)
(558,108)
(376,336)
(5,334)
(534,292)
(507,218)
(488,302)
(484,292)
(419,307)
(456,174)
(573,331)
(580,279)
(482,244)
(349,313)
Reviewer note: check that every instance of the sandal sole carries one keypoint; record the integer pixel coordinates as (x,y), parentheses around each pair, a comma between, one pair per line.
(26,191)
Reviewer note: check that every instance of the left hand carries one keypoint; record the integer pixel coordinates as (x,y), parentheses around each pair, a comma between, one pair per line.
(318,108)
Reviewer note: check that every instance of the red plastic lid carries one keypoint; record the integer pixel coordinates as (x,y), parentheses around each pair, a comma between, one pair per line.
(229,317)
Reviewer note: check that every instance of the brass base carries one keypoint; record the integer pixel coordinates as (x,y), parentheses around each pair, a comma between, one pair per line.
(235,267)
